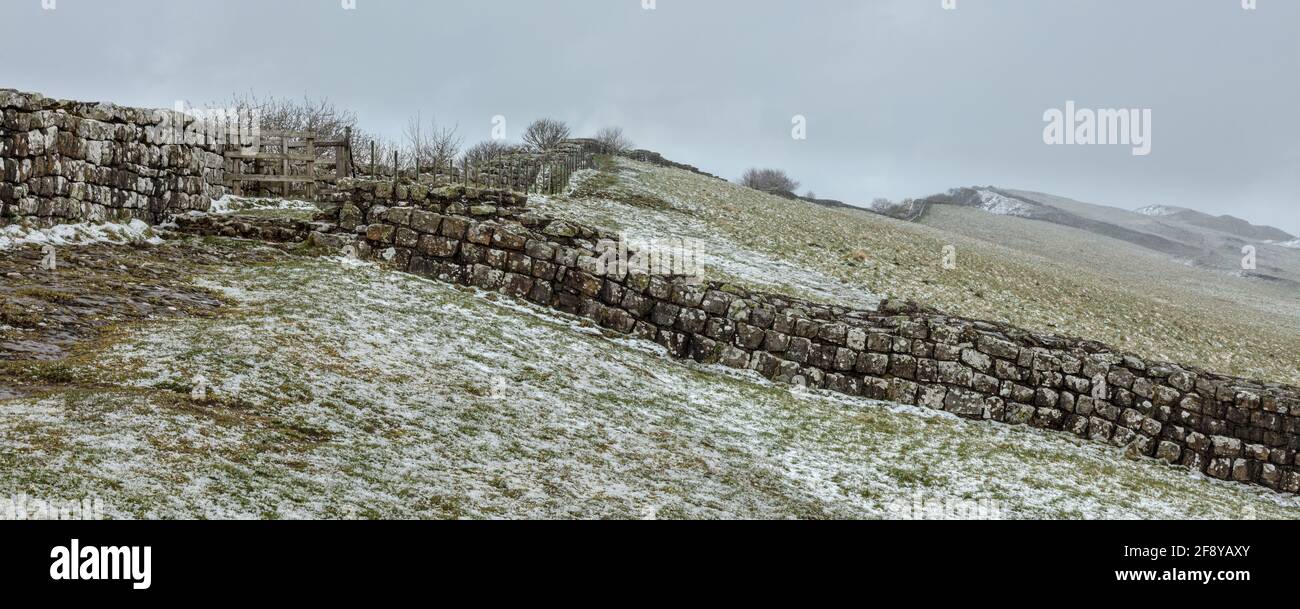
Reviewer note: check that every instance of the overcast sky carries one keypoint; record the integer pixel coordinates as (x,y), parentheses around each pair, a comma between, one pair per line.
(902,97)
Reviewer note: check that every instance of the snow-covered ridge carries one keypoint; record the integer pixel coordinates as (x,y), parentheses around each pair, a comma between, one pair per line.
(136,231)
(1157,210)
(1293,244)
(995,203)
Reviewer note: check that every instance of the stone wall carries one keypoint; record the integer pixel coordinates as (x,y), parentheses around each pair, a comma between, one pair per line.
(66,162)
(1229,428)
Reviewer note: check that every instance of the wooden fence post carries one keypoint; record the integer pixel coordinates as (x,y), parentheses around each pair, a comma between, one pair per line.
(342,160)
(284,147)
(311,168)
(239,183)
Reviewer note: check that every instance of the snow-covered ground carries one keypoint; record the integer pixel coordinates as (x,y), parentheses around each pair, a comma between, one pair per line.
(232,203)
(995,203)
(679,217)
(77,234)
(343,390)
(1157,210)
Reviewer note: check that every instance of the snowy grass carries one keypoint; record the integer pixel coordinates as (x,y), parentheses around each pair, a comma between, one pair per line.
(1032,274)
(343,390)
(83,233)
(636,207)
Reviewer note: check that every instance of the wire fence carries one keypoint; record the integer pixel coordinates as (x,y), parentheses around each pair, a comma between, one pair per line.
(545,173)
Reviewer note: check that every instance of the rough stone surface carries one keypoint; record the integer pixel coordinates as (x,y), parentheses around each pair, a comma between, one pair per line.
(64,162)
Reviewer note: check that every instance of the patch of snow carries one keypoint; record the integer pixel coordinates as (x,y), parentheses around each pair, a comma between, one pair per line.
(1293,244)
(1156,210)
(995,203)
(135,231)
(232,203)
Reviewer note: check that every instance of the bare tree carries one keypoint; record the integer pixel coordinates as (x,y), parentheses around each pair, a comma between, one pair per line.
(428,144)
(488,149)
(612,140)
(383,151)
(771,180)
(545,134)
(319,115)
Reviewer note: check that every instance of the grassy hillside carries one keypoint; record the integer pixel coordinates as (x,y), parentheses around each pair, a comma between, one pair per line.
(1216,241)
(343,390)
(1037,275)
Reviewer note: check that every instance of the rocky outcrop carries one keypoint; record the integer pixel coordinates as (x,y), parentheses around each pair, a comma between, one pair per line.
(67,161)
(273,229)
(1229,428)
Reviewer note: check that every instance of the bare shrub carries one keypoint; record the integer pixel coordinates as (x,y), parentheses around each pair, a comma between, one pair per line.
(771,180)
(318,115)
(383,151)
(612,140)
(488,149)
(428,144)
(545,134)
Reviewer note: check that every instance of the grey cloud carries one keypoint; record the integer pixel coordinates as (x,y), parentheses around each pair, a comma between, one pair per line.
(902,97)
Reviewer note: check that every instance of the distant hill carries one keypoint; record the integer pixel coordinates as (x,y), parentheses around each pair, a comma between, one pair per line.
(1232,225)
(1187,235)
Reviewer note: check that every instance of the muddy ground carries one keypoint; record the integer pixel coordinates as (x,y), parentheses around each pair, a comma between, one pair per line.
(48,316)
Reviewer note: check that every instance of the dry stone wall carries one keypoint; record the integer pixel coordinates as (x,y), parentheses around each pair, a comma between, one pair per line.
(66,162)
(1228,428)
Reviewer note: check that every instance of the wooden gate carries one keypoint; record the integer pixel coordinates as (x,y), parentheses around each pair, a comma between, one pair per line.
(288,158)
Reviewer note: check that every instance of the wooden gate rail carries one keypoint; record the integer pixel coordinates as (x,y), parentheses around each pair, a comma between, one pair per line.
(235,178)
